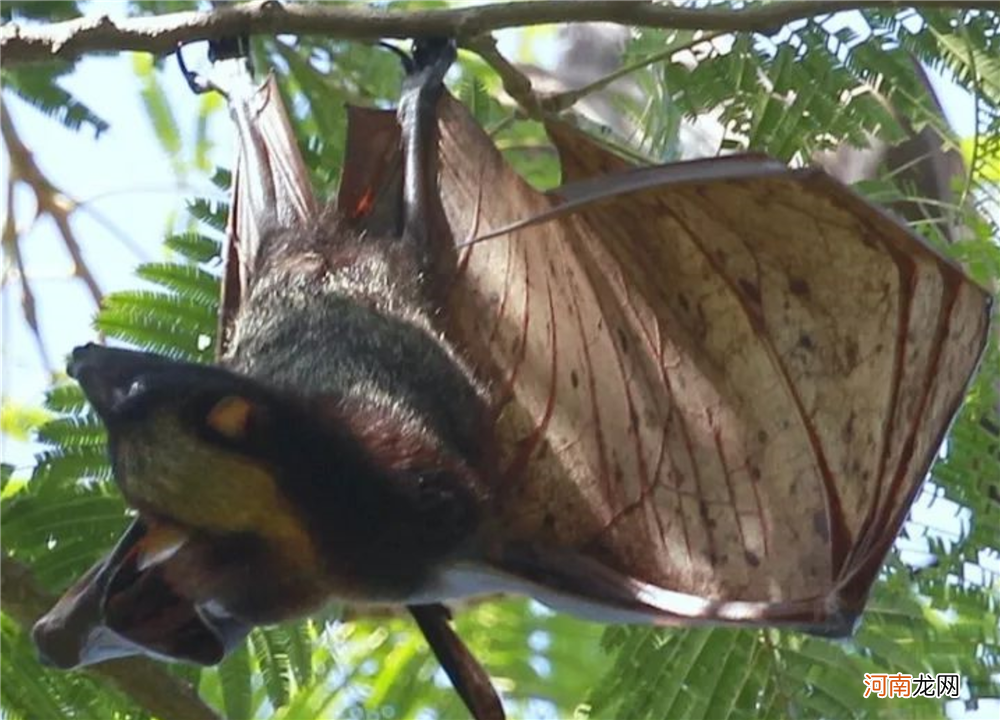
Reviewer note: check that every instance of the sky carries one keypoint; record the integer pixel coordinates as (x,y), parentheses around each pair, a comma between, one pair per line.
(124,177)
(125,181)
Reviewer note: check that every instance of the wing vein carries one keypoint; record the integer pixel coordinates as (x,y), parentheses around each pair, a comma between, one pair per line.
(839,534)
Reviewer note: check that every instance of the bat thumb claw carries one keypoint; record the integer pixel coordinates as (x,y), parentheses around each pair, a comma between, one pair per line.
(430,52)
(235,48)
(404,58)
(198,83)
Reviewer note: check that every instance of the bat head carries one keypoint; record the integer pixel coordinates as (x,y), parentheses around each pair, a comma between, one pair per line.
(243,481)
(192,450)
(188,442)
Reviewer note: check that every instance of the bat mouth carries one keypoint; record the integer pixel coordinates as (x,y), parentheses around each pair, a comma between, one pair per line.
(125,606)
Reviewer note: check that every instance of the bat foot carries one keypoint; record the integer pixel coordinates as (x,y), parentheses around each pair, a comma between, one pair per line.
(434,53)
(227,48)
(428,64)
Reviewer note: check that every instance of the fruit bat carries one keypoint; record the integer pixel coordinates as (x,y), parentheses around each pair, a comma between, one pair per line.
(705,392)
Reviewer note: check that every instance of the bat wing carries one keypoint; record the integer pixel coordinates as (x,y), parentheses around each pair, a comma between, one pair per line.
(719,384)
(271,185)
(271,188)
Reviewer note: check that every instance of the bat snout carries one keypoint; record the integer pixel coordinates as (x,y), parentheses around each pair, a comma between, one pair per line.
(78,359)
(104,382)
(109,376)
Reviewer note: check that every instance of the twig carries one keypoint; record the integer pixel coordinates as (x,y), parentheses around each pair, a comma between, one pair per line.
(28,306)
(515,83)
(119,234)
(565,100)
(164,695)
(161,34)
(48,198)
(537,107)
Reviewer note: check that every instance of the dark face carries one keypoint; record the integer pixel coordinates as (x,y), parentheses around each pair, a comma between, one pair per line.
(186,445)
(185,439)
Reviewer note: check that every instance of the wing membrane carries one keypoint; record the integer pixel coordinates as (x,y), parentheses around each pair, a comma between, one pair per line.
(270,187)
(727,382)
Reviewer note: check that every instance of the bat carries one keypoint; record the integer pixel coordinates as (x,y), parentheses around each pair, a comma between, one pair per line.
(705,392)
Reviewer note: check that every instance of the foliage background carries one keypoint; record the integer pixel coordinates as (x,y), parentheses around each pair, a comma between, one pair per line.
(791,94)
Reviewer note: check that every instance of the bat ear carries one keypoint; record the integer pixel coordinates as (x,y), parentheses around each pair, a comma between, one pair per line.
(232,417)
(61,635)
(144,613)
(124,606)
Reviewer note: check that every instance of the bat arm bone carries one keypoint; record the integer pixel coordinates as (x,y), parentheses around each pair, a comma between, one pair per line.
(573,197)
(592,591)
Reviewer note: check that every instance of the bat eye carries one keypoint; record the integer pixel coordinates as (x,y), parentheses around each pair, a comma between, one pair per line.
(230,417)
(120,395)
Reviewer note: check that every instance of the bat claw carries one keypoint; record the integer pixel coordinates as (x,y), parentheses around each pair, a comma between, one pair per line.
(404,58)
(234,48)
(198,83)
(434,53)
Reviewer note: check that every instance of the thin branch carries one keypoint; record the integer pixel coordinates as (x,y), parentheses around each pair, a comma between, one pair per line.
(49,199)
(537,107)
(60,216)
(120,235)
(565,100)
(29,308)
(148,684)
(161,34)
(515,83)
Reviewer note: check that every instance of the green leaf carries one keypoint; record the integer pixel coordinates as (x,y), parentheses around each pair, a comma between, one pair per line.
(38,86)
(270,648)
(19,421)
(160,322)
(235,677)
(189,281)
(66,398)
(195,247)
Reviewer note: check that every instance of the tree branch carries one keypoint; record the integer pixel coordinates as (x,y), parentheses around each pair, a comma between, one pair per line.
(161,34)
(148,684)
(49,200)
